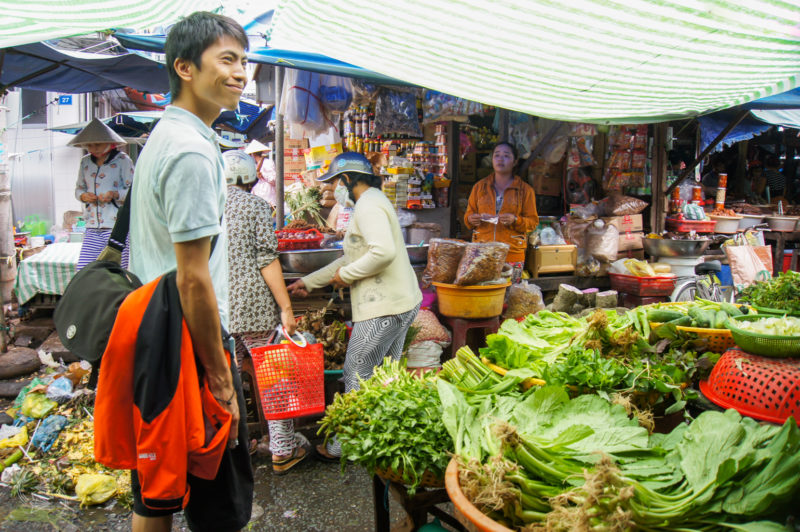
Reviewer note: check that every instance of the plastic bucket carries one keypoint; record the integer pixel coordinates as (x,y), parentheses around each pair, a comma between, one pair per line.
(470,302)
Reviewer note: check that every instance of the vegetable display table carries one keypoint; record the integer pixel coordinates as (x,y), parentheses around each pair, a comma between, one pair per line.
(417,506)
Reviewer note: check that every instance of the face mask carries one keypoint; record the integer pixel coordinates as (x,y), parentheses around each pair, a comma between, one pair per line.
(342,195)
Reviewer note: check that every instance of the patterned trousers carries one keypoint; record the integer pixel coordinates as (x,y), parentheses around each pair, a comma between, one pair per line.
(94,241)
(370,342)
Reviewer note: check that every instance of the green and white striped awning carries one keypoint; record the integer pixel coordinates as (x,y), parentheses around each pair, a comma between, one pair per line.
(598,61)
(27,21)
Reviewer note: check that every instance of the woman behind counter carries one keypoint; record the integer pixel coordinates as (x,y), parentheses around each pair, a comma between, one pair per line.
(104,178)
(384,293)
(502,207)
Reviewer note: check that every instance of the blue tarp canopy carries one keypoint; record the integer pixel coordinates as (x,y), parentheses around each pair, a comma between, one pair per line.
(778,110)
(130,124)
(44,67)
(271,56)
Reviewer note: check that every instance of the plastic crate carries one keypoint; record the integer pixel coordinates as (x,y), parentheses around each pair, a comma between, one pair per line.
(290,380)
(286,242)
(685,226)
(659,285)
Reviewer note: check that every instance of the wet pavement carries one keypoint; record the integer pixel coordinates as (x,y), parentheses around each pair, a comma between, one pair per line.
(315,497)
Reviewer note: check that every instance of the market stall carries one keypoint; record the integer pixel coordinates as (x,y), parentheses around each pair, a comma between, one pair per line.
(606,419)
(47,272)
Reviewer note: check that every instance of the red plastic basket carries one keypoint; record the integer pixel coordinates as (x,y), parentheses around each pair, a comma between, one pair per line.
(290,380)
(685,226)
(763,388)
(288,241)
(659,285)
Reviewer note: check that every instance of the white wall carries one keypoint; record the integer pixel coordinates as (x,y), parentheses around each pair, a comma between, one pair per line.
(43,169)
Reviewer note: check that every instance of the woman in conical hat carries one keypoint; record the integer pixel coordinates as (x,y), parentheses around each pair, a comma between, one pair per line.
(104,178)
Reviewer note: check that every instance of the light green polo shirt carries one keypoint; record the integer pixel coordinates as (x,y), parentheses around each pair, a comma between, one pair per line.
(179,195)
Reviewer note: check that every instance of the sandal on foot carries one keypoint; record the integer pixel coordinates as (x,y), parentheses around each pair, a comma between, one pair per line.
(284,464)
(325,456)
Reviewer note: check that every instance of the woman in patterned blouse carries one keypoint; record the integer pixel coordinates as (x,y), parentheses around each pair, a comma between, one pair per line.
(104,178)
(258,300)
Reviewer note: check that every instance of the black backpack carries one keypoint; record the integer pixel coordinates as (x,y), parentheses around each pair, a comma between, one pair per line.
(86,312)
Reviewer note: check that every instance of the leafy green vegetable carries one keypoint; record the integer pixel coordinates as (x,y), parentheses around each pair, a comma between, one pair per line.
(783,326)
(781,292)
(394,421)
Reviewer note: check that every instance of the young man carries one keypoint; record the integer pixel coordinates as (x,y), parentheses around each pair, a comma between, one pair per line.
(178,199)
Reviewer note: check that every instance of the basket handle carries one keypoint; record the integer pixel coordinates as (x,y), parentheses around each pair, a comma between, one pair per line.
(303,342)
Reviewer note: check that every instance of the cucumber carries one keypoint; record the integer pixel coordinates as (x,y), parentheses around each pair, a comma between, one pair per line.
(683,321)
(731,309)
(719,319)
(663,315)
(701,317)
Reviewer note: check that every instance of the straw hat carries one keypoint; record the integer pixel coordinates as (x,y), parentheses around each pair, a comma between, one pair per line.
(96,131)
(255,147)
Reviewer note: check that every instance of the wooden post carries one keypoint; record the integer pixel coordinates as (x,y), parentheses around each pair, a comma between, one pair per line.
(8,263)
(659,169)
(278,144)
(502,125)
(454,171)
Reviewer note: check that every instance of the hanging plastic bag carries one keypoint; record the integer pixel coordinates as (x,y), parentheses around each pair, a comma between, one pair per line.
(336,93)
(444,255)
(301,104)
(60,390)
(619,205)
(37,405)
(396,112)
(482,262)
(747,265)
(364,92)
(95,489)
(48,431)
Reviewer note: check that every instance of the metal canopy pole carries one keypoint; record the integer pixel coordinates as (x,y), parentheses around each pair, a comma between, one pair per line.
(722,134)
(278,144)
(502,125)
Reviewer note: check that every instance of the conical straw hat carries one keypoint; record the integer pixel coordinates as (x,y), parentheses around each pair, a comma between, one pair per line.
(255,147)
(96,131)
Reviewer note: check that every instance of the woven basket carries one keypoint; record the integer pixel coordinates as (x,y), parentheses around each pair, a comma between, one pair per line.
(429,479)
(762,344)
(719,340)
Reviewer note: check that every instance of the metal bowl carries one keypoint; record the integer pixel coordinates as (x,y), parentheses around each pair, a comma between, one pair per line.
(308,260)
(663,247)
(418,254)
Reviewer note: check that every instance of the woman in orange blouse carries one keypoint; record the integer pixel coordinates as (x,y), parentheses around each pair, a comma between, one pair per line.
(502,207)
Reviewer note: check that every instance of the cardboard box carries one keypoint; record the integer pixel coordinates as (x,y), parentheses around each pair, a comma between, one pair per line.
(291,144)
(629,223)
(630,241)
(551,259)
(547,185)
(631,254)
(321,156)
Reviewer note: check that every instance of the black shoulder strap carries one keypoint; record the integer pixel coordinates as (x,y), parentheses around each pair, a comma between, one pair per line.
(122,226)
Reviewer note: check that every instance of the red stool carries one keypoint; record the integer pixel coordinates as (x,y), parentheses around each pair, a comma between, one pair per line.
(460,326)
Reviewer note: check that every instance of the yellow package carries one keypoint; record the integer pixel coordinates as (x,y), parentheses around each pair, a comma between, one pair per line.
(37,405)
(95,489)
(19,440)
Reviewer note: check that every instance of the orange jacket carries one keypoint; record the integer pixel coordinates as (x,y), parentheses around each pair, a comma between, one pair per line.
(152,413)
(519,200)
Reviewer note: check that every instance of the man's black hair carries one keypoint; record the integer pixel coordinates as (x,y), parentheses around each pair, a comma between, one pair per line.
(191,36)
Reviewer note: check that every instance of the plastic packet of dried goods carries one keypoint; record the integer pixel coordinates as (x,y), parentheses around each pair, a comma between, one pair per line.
(444,255)
(602,241)
(619,205)
(396,112)
(481,262)
(523,299)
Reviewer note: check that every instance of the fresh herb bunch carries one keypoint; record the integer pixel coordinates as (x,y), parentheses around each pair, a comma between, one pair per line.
(782,292)
(392,422)
(305,204)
